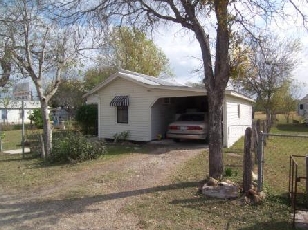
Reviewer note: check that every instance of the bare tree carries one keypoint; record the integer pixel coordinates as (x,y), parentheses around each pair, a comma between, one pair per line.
(40,48)
(196,16)
(271,62)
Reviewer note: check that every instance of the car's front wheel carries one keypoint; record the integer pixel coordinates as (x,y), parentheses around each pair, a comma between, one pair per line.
(176,140)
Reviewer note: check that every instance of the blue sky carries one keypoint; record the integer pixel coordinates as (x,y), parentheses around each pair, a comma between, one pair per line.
(184,53)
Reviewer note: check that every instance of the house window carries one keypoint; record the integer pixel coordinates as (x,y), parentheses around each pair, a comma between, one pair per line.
(122,103)
(122,114)
(301,106)
(4,114)
(239,110)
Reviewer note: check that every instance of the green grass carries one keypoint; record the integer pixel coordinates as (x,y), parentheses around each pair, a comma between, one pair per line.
(11,139)
(177,206)
(280,118)
(18,173)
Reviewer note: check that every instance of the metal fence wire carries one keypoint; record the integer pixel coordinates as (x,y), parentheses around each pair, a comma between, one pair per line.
(289,155)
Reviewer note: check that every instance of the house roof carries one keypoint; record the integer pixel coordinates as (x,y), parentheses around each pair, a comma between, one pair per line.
(142,79)
(154,82)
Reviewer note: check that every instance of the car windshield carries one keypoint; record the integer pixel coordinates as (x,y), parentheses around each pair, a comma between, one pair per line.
(192,117)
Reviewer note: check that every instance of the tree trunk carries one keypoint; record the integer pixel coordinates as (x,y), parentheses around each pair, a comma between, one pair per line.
(215,135)
(47,133)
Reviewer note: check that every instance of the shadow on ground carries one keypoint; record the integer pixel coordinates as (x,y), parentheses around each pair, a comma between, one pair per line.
(268,226)
(48,211)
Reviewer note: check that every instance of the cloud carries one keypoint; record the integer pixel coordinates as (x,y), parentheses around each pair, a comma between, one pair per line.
(184,53)
(182,50)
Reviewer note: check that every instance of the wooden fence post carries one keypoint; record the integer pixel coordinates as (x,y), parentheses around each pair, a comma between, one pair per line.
(260,161)
(257,131)
(265,130)
(247,161)
(306,180)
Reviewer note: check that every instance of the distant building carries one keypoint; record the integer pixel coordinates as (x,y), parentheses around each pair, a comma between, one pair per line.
(59,114)
(303,108)
(11,110)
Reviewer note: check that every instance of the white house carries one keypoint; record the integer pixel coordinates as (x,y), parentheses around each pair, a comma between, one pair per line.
(11,110)
(145,105)
(303,108)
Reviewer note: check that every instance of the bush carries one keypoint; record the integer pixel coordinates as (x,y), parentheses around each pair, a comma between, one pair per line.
(73,147)
(123,136)
(87,117)
(37,118)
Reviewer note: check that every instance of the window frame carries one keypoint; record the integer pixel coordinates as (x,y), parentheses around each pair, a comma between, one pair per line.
(122,114)
(4,113)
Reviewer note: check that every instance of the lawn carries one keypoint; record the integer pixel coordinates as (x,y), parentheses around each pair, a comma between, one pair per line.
(179,207)
(23,174)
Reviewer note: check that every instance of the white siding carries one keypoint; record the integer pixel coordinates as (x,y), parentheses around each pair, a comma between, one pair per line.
(14,110)
(304,111)
(161,115)
(14,116)
(237,117)
(141,100)
(148,116)
(138,111)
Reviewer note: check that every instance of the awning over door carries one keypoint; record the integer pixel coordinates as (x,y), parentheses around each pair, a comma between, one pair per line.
(119,101)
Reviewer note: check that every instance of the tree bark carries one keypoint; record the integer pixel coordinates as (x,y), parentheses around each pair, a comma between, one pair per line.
(46,128)
(215,135)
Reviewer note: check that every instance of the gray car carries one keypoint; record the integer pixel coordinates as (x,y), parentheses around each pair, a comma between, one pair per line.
(191,126)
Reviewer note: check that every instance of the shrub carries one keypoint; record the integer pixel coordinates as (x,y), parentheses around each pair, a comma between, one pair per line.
(37,118)
(73,147)
(123,136)
(87,117)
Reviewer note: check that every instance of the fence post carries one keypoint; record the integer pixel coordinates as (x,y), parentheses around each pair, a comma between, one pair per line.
(247,161)
(260,161)
(254,138)
(307,181)
(265,130)
(257,131)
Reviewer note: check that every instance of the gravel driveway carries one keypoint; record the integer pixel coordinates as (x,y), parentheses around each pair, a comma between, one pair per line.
(49,208)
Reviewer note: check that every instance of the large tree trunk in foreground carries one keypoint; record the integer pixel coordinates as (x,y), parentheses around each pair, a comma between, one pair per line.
(215,83)
(215,101)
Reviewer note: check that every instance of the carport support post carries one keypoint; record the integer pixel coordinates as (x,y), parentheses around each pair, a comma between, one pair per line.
(260,161)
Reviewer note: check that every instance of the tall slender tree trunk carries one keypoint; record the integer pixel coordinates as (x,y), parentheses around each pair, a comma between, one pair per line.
(46,128)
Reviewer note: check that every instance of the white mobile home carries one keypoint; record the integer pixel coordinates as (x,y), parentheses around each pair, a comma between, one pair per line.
(11,110)
(144,106)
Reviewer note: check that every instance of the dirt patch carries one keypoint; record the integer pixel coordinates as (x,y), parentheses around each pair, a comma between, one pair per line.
(94,199)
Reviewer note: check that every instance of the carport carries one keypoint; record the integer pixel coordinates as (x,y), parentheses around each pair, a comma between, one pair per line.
(167,109)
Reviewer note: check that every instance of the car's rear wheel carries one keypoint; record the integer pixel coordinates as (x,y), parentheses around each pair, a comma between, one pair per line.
(176,140)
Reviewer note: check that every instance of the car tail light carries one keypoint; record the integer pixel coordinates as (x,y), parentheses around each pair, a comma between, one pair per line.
(194,128)
(173,127)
